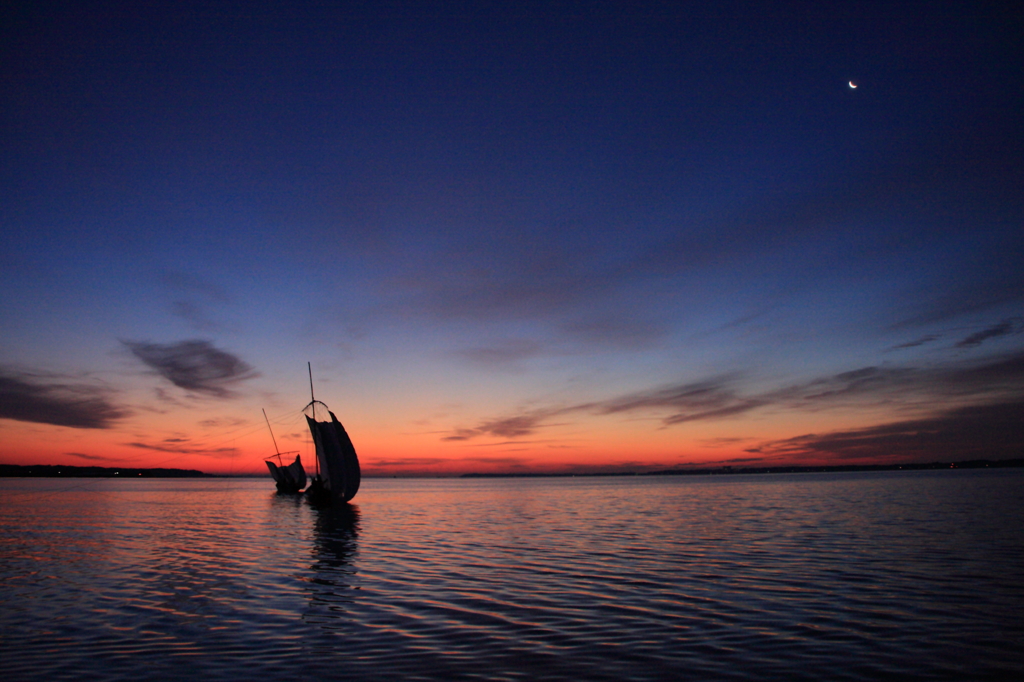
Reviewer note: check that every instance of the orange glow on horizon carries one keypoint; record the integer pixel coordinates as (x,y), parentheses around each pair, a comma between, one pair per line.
(586,445)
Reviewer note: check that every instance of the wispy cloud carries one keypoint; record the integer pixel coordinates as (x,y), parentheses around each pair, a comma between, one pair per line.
(503,354)
(991,380)
(612,332)
(619,281)
(186,283)
(622,331)
(223,422)
(31,397)
(1004,328)
(709,399)
(193,296)
(514,462)
(93,458)
(993,431)
(916,342)
(865,383)
(194,365)
(998,377)
(720,442)
(1002,286)
(509,427)
(405,462)
(179,446)
(194,314)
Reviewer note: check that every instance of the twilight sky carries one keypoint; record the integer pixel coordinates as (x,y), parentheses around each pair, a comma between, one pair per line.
(511,236)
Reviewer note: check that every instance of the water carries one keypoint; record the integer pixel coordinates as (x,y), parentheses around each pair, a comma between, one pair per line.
(814,576)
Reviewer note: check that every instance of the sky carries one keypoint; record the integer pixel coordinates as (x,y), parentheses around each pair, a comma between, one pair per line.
(511,237)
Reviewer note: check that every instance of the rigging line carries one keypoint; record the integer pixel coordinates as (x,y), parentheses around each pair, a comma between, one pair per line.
(231,434)
(276,449)
(181,455)
(93,480)
(287,419)
(229,437)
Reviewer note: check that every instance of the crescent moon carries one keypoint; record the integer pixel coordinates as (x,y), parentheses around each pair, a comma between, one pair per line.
(853,86)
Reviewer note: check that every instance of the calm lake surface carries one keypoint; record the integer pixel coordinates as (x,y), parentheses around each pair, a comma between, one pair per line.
(918,575)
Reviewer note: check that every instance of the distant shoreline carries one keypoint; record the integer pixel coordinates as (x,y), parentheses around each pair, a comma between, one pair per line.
(728,470)
(61,471)
(65,471)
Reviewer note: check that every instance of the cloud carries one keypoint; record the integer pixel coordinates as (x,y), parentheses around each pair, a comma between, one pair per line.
(1001,375)
(583,277)
(95,458)
(412,466)
(514,426)
(719,397)
(507,461)
(24,398)
(721,442)
(548,288)
(1003,286)
(990,380)
(700,395)
(192,285)
(223,422)
(1004,328)
(183,449)
(866,382)
(194,365)
(993,431)
(611,331)
(916,342)
(617,331)
(192,297)
(408,462)
(164,396)
(709,399)
(503,354)
(194,315)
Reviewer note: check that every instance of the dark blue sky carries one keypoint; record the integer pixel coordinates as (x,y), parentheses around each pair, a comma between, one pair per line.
(493,226)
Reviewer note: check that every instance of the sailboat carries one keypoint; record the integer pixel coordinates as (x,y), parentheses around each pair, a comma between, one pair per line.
(290,478)
(337,476)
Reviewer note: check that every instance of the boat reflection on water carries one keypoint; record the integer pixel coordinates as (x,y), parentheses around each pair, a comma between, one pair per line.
(335,531)
(332,573)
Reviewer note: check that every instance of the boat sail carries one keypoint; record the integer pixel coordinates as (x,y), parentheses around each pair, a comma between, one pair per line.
(337,478)
(290,478)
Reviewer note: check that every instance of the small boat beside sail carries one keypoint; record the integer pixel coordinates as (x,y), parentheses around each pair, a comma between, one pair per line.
(338,475)
(289,478)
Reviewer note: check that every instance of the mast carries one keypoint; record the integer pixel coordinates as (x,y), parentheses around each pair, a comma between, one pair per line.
(312,407)
(311,398)
(338,474)
(276,449)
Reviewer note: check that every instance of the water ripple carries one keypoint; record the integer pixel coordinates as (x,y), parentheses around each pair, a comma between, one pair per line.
(840,577)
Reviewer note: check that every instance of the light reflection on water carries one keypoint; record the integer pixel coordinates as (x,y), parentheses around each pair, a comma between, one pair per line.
(842,576)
